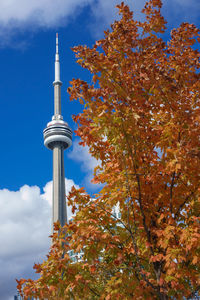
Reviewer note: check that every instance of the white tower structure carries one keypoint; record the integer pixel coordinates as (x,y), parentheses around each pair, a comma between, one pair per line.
(58,137)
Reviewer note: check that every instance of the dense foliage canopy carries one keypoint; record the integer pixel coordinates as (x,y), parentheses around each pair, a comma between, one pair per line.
(141,120)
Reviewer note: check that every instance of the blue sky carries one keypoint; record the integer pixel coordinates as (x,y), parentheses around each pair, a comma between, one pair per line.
(27,49)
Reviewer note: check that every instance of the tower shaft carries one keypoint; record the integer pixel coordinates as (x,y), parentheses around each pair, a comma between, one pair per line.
(59,198)
(57,99)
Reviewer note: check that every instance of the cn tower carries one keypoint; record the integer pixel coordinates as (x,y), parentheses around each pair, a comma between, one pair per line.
(58,137)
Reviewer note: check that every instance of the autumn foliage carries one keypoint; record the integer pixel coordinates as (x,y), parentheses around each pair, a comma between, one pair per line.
(141,120)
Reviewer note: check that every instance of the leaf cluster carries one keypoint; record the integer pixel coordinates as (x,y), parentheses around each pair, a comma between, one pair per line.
(141,120)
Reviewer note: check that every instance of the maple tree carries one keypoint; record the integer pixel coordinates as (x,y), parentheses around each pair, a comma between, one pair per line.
(141,121)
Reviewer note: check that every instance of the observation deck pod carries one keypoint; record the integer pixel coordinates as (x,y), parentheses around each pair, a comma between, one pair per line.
(57,132)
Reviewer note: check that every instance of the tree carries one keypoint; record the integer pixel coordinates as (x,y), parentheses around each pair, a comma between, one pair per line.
(141,121)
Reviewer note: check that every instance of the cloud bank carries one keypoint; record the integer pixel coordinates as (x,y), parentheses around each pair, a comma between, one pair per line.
(25,226)
(19,16)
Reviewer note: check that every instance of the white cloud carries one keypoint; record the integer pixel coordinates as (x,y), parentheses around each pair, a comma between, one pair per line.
(88,163)
(45,13)
(25,226)
(81,154)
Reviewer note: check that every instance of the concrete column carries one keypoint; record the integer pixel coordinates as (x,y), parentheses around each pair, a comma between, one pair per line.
(59,198)
(57,99)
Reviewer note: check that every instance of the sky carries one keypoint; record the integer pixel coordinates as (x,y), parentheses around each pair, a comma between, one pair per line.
(27,49)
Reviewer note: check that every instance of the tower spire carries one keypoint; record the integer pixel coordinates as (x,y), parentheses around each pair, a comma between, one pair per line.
(58,137)
(57,63)
(56,43)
